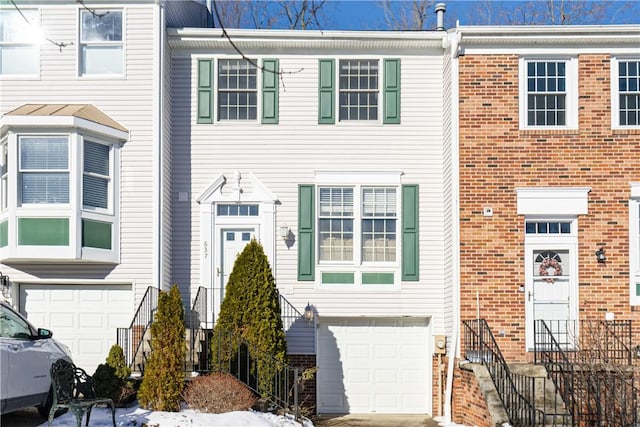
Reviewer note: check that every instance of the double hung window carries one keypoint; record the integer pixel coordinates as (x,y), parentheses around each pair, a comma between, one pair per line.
(548,93)
(44,169)
(359,88)
(237,90)
(101,42)
(18,42)
(96,176)
(628,85)
(357,224)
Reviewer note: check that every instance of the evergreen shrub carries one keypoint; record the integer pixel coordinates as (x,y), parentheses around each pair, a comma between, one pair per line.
(163,380)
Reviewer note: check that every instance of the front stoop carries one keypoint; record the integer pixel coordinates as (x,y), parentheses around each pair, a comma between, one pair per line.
(546,397)
(489,392)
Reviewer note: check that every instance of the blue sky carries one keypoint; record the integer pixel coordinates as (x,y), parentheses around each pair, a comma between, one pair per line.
(368,15)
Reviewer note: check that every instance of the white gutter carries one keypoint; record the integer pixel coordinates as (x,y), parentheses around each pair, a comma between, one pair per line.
(454,350)
(157,162)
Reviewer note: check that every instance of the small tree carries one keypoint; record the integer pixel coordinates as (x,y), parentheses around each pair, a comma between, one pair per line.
(251,311)
(163,380)
(112,378)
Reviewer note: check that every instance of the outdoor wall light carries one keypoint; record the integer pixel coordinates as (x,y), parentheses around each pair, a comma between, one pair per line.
(284,232)
(5,286)
(638,351)
(309,313)
(600,256)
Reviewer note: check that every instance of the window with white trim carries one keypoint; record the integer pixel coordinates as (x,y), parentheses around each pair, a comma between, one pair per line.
(96,176)
(101,42)
(548,93)
(357,224)
(359,88)
(237,90)
(19,48)
(44,169)
(626,98)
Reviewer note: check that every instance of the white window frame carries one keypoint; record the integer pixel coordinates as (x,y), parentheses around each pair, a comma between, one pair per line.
(571,100)
(98,43)
(359,180)
(634,244)
(4,174)
(252,63)
(22,172)
(379,91)
(30,42)
(615,93)
(109,178)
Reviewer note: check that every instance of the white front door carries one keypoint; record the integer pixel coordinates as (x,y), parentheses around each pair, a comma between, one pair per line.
(550,288)
(233,241)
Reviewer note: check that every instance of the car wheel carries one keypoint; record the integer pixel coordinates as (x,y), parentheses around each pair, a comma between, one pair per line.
(44,410)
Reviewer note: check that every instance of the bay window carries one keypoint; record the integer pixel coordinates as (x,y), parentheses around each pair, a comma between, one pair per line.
(44,169)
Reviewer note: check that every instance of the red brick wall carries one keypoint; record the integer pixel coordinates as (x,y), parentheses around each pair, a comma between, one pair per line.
(468,406)
(496,158)
(307,398)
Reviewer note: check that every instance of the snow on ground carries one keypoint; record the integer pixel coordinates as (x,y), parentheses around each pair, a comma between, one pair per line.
(138,417)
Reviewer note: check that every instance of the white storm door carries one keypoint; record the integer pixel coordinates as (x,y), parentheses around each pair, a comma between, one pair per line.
(233,242)
(550,290)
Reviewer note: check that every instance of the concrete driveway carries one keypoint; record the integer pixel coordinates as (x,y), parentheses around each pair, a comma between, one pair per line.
(375,420)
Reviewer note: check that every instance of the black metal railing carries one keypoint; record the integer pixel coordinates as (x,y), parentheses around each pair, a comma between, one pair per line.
(133,340)
(288,312)
(199,334)
(591,364)
(517,392)
(267,376)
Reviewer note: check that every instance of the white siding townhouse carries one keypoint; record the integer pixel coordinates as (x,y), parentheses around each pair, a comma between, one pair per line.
(333,150)
(147,151)
(84,226)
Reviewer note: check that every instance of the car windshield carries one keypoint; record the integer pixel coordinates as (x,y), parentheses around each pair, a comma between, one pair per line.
(12,325)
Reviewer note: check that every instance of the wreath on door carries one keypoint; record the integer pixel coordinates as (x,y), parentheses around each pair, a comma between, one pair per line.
(550,265)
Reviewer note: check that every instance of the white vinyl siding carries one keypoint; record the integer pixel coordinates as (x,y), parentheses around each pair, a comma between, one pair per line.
(19,47)
(298,148)
(130,102)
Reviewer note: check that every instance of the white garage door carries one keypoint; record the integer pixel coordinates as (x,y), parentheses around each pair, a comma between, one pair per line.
(374,365)
(84,317)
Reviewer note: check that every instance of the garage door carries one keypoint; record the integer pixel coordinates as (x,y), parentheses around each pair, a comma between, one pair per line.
(374,365)
(84,317)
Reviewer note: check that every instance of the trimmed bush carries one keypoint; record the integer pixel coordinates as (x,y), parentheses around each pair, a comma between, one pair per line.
(251,311)
(112,378)
(163,380)
(218,393)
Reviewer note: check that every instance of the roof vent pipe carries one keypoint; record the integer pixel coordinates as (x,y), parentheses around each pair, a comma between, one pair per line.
(440,9)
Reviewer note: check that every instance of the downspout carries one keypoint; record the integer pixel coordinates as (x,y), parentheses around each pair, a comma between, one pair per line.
(454,45)
(157,164)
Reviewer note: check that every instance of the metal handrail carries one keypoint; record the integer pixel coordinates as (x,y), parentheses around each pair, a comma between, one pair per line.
(199,343)
(481,347)
(264,374)
(134,335)
(288,312)
(594,373)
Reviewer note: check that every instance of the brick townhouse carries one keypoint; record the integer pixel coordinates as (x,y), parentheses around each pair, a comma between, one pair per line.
(549,181)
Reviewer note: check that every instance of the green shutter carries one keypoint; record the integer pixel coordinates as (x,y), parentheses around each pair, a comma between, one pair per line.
(270,91)
(205,91)
(410,252)
(326,94)
(392,91)
(306,236)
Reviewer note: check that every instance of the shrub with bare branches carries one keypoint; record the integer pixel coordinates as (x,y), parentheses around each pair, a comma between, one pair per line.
(218,393)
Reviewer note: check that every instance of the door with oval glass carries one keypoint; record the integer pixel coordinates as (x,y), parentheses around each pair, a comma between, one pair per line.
(233,242)
(550,291)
